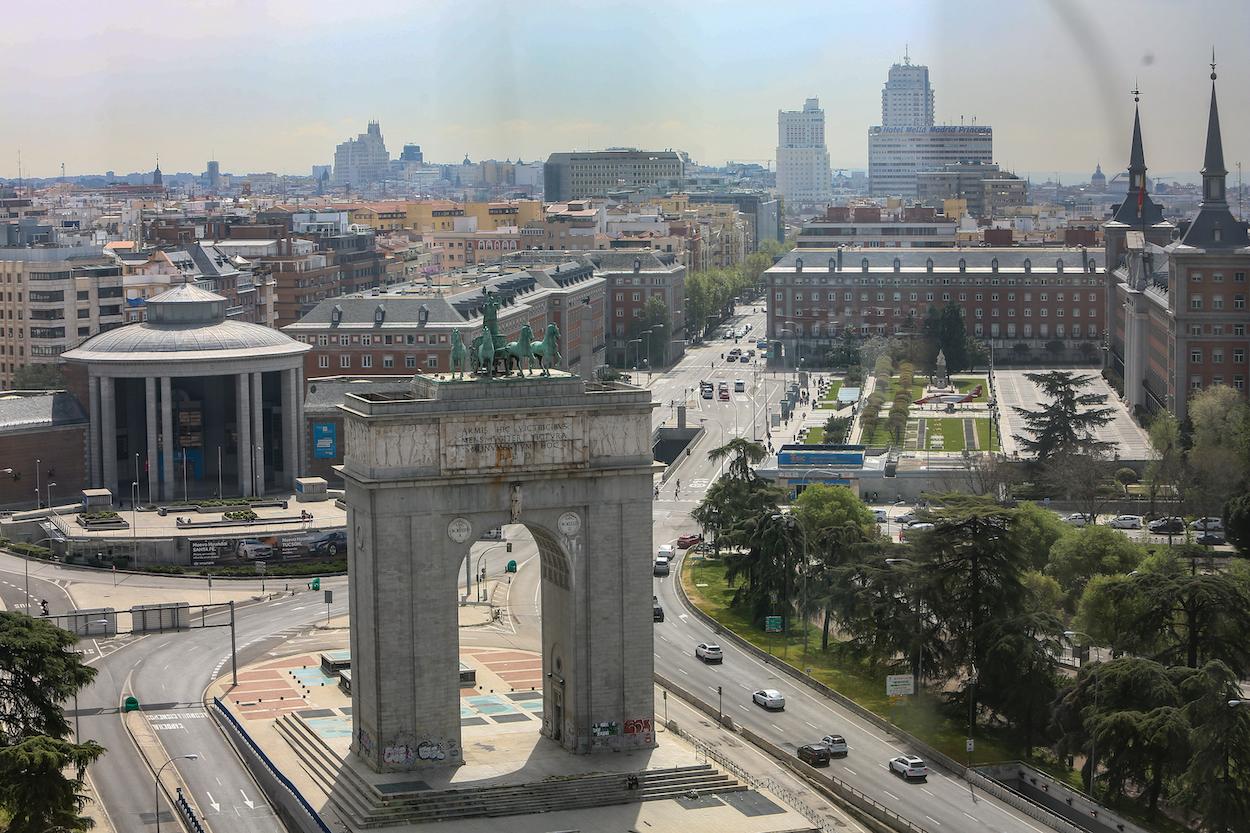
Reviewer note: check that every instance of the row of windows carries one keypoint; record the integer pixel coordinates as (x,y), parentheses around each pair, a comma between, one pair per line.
(366,361)
(979,312)
(1195,382)
(1217,329)
(880,281)
(946,296)
(1217,355)
(1217,302)
(1217,277)
(1043,331)
(367,340)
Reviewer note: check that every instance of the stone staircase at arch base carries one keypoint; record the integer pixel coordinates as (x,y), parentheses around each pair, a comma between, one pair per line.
(362,806)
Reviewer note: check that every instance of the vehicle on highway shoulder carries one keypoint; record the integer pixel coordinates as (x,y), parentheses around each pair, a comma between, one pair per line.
(1125,522)
(709,653)
(769,698)
(814,754)
(836,744)
(909,767)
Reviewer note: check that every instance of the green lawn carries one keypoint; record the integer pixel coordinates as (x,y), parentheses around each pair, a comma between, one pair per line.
(882,436)
(967,385)
(864,684)
(983,436)
(952,433)
(831,396)
(815,436)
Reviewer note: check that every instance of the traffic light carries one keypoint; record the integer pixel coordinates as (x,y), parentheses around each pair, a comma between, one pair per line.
(509,546)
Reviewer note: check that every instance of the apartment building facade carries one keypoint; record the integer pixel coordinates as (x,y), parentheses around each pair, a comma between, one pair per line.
(53,298)
(576,176)
(870,226)
(1008,295)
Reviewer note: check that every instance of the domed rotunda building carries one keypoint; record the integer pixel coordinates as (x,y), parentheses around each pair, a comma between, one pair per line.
(189,396)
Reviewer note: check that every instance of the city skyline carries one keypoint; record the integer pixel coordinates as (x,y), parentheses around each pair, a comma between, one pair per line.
(524,88)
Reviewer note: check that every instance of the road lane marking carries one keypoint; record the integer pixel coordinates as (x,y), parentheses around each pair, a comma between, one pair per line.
(744,708)
(935,821)
(684,671)
(890,794)
(969,815)
(848,769)
(775,726)
(924,790)
(813,725)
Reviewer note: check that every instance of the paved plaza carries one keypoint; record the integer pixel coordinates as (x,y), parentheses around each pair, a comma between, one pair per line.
(1012,388)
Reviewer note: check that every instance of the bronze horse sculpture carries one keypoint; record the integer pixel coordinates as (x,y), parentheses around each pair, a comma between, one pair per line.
(547,351)
(515,351)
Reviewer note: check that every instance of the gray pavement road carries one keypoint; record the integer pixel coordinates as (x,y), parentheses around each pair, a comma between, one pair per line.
(168,673)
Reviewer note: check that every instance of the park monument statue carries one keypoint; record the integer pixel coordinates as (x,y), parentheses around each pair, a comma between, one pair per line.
(940,377)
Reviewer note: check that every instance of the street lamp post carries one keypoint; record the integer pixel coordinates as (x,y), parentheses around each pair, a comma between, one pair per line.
(1093,739)
(48,488)
(38,462)
(637,350)
(156,792)
(915,598)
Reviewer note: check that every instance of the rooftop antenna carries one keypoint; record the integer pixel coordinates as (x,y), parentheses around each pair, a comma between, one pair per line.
(906,54)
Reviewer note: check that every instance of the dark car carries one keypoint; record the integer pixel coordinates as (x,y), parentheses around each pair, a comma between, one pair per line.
(657,612)
(815,754)
(330,543)
(1211,539)
(1167,526)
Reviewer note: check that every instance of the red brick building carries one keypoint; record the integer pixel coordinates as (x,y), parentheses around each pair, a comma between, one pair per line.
(1179,296)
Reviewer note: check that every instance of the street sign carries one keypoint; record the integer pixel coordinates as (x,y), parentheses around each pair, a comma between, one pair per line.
(970,745)
(899,685)
(329,597)
(772,624)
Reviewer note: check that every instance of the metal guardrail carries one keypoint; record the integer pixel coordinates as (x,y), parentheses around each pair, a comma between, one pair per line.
(273,770)
(786,794)
(188,814)
(819,780)
(1019,802)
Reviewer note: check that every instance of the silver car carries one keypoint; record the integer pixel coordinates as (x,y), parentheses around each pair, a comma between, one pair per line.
(1125,522)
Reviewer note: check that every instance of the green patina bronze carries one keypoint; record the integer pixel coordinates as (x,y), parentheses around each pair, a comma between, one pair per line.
(491,354)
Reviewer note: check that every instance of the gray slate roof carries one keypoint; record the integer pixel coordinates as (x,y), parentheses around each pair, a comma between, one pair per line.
(20,411)
(817,260)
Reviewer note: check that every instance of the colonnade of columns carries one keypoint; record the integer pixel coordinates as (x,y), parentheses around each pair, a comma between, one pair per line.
(159,415)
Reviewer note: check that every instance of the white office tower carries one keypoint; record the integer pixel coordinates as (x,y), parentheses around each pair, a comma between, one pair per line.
(907,98)
(803,173)
(363,160)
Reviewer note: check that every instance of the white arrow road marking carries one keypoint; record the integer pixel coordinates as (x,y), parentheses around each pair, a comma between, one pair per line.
(683,616)
(251,805)
(216,807)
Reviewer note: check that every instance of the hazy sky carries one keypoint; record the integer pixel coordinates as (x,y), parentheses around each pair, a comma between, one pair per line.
(275,84)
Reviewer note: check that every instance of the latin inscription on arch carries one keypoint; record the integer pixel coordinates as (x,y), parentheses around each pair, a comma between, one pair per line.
(505,443)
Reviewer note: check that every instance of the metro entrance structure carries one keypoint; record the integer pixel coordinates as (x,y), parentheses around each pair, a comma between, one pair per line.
(426,474)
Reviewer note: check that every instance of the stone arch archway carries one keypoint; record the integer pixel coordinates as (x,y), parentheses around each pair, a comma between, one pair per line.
(425,477)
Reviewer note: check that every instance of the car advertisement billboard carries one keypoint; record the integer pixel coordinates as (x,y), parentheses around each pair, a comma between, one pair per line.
(314,544)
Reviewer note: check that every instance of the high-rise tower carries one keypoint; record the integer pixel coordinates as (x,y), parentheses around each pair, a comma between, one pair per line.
(907,98)
(803,173)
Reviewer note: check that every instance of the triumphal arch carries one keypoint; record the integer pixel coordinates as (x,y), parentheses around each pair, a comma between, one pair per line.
(426,474)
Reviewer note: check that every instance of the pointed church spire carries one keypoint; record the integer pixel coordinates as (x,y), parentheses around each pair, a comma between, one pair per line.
(1213,161)
(1138,209)
(1214,226)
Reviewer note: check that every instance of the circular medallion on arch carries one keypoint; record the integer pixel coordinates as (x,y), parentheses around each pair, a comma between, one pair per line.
(459,530)
(569,524)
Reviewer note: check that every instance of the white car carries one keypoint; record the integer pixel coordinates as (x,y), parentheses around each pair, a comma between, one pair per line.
(1208,524)
(909,766)
(1125,522)
(880,516)
(1076,519)
(709,653)
(769,698)
(836,744)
